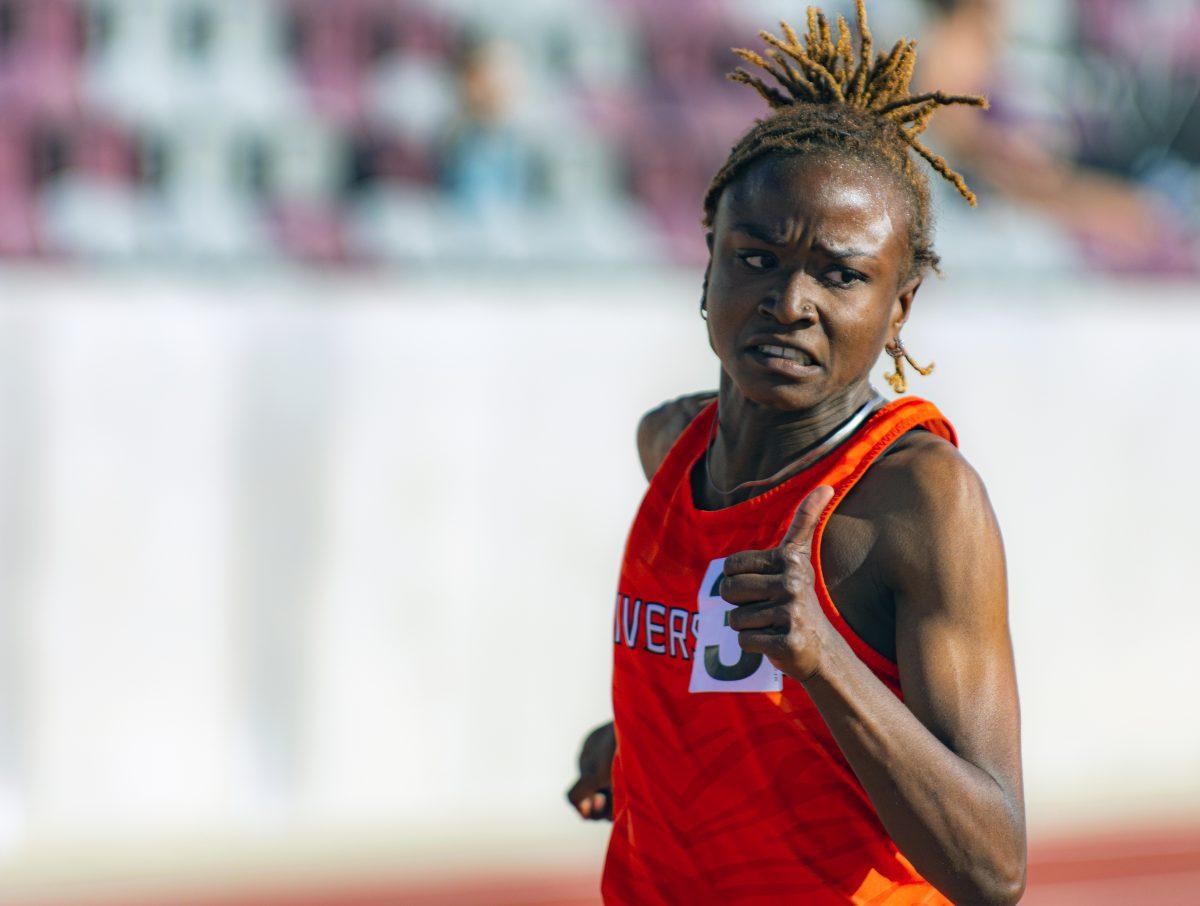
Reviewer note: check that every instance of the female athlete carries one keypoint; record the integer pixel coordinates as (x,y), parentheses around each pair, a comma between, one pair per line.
(813,689)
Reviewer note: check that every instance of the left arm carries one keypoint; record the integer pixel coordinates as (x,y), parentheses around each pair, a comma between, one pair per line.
(942,768)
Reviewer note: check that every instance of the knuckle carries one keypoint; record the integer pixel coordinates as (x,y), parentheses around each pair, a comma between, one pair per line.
(797,641)
(794,584)
(803,636)
(793,555)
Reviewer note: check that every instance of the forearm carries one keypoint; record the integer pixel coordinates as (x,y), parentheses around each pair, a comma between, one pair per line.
(950,818)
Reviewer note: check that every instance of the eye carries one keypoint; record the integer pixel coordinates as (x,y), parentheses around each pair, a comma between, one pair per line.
(844,276)
(756,260)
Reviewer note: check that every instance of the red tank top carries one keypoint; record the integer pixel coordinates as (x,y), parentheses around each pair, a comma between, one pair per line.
(727,785)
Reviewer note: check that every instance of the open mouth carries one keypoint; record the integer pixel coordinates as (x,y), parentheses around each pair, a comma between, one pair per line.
(784,352)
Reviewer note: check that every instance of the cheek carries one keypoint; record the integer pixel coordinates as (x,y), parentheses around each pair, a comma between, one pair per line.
(856,333)
(722,329)
(728,311)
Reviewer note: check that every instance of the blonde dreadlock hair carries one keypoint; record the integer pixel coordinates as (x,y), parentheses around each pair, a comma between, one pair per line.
(831,98)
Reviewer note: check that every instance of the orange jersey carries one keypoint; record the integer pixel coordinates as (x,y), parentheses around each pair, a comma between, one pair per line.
(727,785)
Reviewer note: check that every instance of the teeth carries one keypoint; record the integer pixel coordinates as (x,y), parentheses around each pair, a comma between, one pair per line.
(786,352)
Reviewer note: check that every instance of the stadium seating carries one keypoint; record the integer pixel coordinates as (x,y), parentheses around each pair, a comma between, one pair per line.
(289,128)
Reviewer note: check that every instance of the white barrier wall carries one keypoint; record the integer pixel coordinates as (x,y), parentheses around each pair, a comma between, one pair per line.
(316,558)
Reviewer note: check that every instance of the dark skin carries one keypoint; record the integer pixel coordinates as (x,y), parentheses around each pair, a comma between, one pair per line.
(811,254)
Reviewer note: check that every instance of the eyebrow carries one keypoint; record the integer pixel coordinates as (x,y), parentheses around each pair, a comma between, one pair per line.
(846,253)
(766,234)
(771,237)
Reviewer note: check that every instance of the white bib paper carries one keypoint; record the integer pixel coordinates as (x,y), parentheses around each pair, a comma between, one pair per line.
(719,664)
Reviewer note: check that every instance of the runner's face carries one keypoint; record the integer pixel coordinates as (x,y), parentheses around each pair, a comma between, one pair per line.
(804,280)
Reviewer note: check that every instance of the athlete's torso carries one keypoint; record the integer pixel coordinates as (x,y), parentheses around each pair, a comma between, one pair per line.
(727,784)
(852,549)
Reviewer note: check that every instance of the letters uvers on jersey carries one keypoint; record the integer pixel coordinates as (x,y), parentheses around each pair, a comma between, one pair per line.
(702,636)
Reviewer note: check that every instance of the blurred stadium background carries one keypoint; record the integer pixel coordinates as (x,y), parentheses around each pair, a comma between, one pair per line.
(324,328)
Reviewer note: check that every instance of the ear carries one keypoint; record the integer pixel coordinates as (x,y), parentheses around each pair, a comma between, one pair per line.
(708,239)
(901,306)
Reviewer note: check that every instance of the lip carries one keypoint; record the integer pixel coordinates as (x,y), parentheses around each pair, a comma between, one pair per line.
(786,367)
(752,348)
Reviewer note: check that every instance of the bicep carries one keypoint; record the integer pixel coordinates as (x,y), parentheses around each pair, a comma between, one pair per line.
(952,638)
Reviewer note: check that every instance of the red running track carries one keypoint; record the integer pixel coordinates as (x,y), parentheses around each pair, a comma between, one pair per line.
(1156,868)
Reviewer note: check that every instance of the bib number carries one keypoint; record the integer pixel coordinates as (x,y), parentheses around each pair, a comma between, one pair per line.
(718,663)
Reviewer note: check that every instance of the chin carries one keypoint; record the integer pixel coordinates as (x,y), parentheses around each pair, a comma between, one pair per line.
(789,396)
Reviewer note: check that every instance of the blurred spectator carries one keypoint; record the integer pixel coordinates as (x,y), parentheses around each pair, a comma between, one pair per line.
(487,166)
(580,131)
(1091,186)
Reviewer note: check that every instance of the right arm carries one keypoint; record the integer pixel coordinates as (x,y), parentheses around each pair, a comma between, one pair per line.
(656,434)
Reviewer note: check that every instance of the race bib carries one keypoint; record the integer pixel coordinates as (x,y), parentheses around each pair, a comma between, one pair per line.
(719,664)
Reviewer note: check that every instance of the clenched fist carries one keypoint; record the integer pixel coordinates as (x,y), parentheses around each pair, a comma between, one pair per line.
(592,792)
(777,612)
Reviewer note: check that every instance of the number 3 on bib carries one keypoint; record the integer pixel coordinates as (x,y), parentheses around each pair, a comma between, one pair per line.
(718,663)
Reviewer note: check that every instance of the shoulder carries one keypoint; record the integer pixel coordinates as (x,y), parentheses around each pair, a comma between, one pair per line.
(927,474)
(661,426)
(933,516)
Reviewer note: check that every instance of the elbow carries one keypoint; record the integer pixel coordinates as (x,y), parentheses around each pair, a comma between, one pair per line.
(1001,883)
(998,875)
(1006,891)
(991,875)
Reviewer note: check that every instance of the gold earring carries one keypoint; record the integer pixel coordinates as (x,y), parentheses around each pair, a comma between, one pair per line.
(896,378)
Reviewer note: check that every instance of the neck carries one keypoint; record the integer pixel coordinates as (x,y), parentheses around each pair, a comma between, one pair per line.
(754,442)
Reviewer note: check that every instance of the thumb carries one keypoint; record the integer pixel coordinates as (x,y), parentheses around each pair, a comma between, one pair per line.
(804,523)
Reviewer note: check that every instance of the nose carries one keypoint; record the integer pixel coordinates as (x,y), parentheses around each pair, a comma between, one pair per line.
(791,303)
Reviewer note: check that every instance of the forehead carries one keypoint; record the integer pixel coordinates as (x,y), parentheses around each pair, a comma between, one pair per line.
(838,200)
